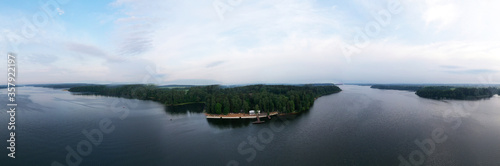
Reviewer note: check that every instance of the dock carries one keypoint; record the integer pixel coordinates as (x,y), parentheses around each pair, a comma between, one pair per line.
(240,116)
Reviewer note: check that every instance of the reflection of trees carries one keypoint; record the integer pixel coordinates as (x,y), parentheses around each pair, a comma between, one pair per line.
(229,123)
(238,123)
(184,109)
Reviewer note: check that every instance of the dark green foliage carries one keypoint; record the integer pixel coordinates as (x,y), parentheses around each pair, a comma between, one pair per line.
(267,98)
(236,106)
(218,108)
(246,107)
(459,93)
(465,92)
(226,106)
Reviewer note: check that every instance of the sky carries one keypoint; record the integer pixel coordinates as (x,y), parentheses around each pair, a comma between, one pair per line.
(247,42)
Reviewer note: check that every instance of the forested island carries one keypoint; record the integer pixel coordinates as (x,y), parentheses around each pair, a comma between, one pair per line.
(221,100)
(459,92)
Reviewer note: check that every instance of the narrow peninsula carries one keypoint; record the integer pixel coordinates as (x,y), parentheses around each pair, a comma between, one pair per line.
(457,92)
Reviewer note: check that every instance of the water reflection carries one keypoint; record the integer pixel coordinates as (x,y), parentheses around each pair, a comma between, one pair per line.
(198,108)
(86,94)
(185,109)
(229,123)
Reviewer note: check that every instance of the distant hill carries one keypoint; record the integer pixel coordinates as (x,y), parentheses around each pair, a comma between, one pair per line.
(55,86)
(399,87)
(442,91)
(176,86)
(60,86)
(457,93)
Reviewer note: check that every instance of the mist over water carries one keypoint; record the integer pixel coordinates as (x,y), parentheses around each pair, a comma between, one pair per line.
(358,126)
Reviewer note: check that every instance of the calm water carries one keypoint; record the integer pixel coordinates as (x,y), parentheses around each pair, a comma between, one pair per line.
(359,126)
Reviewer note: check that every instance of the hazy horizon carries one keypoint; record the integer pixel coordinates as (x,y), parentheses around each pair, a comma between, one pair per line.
(244,84)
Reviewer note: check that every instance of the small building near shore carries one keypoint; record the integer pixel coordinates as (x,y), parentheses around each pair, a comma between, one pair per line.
(253,112)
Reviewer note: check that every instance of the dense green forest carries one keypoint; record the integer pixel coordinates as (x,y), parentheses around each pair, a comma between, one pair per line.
(220,100)
(459,93)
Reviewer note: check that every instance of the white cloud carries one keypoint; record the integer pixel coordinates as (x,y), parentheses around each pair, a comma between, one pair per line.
(440,13)
(272,41)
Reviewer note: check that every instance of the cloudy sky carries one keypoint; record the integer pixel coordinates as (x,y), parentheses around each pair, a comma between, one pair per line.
(243,41)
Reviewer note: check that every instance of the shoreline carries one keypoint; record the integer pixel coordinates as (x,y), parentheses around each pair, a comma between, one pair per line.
(239,116)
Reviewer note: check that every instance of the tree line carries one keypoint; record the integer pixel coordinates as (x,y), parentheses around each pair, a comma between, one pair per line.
(222,100)
(459,93)
(398,87)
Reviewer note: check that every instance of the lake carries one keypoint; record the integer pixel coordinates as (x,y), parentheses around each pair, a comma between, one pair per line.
(358,126)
